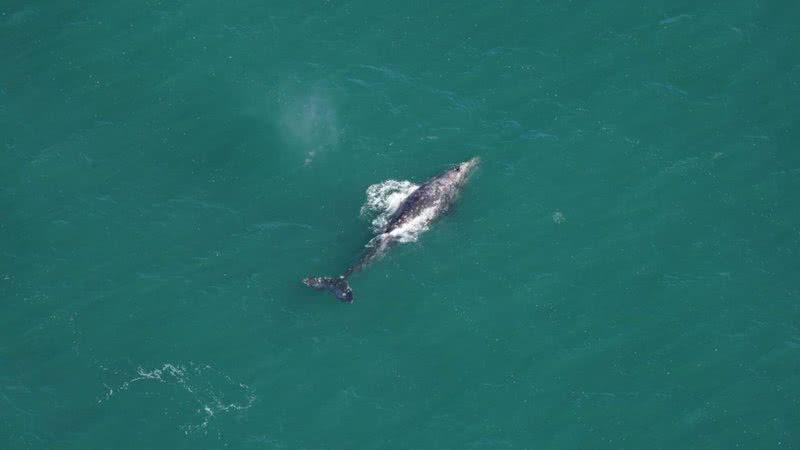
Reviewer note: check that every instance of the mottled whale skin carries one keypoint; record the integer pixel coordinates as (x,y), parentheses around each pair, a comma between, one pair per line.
(419,209)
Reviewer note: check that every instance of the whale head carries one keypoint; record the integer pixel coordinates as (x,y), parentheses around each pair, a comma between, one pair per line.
(458,174)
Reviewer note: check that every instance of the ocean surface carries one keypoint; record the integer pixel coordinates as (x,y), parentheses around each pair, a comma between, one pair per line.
(621,272)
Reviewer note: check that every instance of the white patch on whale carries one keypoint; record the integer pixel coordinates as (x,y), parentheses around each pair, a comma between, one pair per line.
(383,199)
(410,231)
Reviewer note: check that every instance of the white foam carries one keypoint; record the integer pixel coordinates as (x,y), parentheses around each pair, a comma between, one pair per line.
(212,392)
(383,199)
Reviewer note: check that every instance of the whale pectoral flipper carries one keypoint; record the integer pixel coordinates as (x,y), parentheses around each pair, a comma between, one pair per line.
(336,285)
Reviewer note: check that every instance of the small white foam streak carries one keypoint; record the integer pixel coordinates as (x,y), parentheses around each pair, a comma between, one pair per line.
(383,199)
(214,392)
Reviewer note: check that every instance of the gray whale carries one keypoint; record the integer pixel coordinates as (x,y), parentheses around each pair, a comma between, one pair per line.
(420,208)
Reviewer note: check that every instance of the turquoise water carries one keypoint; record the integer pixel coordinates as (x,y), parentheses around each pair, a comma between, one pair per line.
(621,272)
